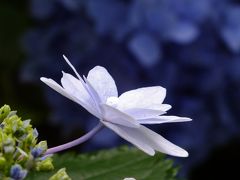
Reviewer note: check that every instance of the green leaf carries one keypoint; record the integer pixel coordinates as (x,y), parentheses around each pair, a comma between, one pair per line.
(115,164)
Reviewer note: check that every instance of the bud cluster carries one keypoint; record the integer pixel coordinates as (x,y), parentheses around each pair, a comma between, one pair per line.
(19,149)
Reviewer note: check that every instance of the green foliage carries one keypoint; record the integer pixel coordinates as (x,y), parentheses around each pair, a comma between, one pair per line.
(19,150)
(115,164)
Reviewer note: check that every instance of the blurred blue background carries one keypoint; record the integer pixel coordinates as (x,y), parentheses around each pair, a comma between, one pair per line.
(190,47)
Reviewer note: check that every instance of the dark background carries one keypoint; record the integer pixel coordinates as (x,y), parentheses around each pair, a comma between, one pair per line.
(190,47)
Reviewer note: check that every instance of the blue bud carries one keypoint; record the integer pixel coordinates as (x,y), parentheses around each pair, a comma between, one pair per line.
(2,126)
(17,173)
(36,152)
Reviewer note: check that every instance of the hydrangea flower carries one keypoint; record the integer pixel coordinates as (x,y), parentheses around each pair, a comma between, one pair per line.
(123,114)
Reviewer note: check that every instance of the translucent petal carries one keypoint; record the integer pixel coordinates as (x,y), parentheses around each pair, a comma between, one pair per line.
(115,116)
(55,86)
(147,140)
(148,98)
(74,87)
(163,119)
(94,94)
(102,82)
(72,67)
(140,113)
(132,135)
(159,143)
(165,107)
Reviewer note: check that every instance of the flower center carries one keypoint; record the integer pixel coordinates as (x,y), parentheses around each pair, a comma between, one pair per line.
(112,101)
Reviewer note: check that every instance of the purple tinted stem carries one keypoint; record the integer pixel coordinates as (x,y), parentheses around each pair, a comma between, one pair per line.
(75,142)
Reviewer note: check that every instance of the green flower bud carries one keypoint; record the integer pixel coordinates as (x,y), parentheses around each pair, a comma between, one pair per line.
(4,111)
(2,162)
(45,165)
(60,175)
(43,146)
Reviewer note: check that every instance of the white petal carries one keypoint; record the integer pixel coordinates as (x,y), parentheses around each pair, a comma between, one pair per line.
(102,82)
(148,98)
(163,119)
(132,135)
(94,94)
(115,116)
(72,67)
(165,107)
(74,87)
(140,113)
(147,140)
(51,83)
(159,143)
(75,71)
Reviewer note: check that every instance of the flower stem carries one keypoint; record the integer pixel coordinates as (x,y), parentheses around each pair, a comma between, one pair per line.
(76,141)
